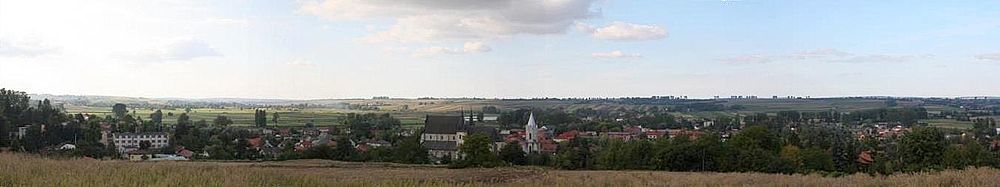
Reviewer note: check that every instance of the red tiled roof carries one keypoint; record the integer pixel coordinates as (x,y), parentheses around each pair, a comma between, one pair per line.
(568,135)
(865,157)
(255,142)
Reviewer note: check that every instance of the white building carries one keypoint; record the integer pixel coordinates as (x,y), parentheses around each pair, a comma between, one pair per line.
(531,136)
(125,142)
(443,135)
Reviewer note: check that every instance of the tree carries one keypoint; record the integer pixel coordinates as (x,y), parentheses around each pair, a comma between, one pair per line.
(361,125)
(513,154)
(475,152)
(923,149)
(145,144)
(157,117)
(222,121)
(119,110)
(260,118)
(756,149)
(183,127)
(274,118)
(575,154)
(344,150)
(815,160)
(409,151)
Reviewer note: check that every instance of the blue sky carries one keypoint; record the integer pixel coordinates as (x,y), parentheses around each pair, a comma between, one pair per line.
(309,49)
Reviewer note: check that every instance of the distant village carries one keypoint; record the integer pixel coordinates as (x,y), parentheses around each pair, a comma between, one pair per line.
(647,137)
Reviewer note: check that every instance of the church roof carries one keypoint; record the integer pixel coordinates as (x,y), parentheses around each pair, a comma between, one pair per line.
(531,121)
(490,132)
(443,124)
(440,145)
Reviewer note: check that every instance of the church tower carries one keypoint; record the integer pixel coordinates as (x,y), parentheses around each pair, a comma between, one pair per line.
(531,136)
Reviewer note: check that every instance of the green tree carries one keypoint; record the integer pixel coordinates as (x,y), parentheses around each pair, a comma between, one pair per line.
(222,121)
(409,151)
(119,110)
(157,117)
(475,152)
(815,160)
(344,150)
(756,149)
(145,144)
(260,118)
(575,154)
(513,154)
(923,149)
(274,118)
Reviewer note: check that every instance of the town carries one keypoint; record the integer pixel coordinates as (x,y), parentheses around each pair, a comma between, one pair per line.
(654,133)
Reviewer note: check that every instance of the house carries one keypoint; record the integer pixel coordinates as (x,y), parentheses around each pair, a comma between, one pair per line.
(125,142)
(654,134)
(185,153)
(566,136)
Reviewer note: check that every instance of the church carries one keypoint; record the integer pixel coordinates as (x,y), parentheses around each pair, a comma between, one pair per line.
(443,135)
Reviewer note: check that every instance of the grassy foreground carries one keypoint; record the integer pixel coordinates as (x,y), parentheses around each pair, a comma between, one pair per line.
(27,170)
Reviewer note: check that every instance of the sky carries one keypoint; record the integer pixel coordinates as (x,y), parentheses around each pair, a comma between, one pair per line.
(318,49)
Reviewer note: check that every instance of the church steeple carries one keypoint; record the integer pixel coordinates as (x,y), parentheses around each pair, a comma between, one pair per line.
(531,135)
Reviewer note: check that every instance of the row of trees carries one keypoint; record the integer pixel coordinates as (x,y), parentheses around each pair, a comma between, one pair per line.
(47,127)
(759,150)
(829,150)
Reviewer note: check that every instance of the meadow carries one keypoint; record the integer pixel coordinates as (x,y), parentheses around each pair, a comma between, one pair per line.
(29,170)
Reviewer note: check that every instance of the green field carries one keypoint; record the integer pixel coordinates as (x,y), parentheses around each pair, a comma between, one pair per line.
(287,117)
(948,124)
(411,112)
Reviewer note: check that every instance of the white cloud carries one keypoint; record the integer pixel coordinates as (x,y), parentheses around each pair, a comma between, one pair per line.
(424,21)
(28,48)
(298,62)
(746,59)
(239,23)
(621,31)
(177,50)
(469,47)
(617,54)
(825,55)
(988,56)
(476,47)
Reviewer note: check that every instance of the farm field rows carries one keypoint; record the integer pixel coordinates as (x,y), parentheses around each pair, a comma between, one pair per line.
(949,124)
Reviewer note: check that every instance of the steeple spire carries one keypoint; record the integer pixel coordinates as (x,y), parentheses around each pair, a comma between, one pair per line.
(531,135)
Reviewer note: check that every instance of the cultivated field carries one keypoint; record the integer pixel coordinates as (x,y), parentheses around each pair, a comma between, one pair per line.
(949,124)
(26,170)
(411,111)
(244,117)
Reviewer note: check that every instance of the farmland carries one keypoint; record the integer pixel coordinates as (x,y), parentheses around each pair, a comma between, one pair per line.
(26,170)
(949,124)
(411,111)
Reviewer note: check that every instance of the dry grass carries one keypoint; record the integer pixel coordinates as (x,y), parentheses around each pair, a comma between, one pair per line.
(26,170)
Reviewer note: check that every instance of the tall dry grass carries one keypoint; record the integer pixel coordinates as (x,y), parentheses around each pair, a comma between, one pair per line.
(29,170)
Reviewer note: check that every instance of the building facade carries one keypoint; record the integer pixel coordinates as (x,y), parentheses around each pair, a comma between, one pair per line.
(125,142)
(443,135)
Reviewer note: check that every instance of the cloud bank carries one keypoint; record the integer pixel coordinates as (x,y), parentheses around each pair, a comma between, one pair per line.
(988,56)
(616,54)
(824,55)
(621,31)
(183,49)
(425,21)
(25,48)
